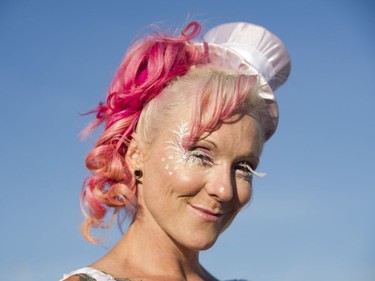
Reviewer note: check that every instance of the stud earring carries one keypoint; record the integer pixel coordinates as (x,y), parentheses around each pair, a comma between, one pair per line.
(138,174)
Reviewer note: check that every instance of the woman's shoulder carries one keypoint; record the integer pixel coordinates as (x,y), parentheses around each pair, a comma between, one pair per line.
(89,274)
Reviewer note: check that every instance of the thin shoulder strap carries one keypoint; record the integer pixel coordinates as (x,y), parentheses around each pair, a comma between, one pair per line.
(80,277)
(89,274)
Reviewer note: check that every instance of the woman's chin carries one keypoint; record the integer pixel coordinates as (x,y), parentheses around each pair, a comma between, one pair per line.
(201,243)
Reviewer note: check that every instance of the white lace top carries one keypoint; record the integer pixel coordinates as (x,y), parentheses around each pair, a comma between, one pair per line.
(97,275)
(93,273)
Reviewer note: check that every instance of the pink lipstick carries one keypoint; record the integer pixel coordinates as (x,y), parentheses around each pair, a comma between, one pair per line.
(206,214)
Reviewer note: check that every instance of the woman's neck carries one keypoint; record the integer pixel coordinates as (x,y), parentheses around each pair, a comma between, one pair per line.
(146,251)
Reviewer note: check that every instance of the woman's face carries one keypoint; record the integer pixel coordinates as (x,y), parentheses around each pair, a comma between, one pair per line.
(191,195)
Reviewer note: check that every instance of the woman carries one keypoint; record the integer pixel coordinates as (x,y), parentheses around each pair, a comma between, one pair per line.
(185,125)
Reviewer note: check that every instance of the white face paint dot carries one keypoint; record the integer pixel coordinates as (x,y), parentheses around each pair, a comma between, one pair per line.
(167,167)
(170,157)
(163,159)
(170,173)
(222,189)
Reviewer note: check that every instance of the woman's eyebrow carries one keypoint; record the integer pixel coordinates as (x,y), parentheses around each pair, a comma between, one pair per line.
(249,156)
(212,143)
(254,159)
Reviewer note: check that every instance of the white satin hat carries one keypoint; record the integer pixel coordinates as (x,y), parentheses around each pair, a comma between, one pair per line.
(253,50)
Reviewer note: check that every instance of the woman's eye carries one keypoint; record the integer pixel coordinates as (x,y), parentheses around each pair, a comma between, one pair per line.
(246,170)
(197,156)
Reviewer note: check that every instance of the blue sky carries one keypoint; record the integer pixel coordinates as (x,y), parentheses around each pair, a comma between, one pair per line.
(312,217)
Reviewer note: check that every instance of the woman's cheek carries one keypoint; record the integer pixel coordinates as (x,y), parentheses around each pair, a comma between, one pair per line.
(183,176)
(244,192)
(169,164)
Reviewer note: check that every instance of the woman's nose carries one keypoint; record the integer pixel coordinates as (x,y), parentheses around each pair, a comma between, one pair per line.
(221,184)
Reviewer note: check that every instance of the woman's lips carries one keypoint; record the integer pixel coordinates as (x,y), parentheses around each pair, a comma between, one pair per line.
(206,214)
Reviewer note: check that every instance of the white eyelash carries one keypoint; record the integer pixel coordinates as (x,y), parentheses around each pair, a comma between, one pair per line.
(193,158)
(257,174)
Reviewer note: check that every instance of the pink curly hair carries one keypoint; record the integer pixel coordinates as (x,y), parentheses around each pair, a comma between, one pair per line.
(145,71)
(150,68)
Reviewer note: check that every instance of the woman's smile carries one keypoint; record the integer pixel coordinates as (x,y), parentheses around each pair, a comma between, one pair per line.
(206,214)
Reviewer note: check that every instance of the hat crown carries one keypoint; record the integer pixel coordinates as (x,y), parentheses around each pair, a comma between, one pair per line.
(257,46)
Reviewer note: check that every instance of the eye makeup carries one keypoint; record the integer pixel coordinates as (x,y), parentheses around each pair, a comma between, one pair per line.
(197,156)
(245,170)
(176,154)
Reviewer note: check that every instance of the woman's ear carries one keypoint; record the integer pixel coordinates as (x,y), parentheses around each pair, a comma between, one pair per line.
(134,154)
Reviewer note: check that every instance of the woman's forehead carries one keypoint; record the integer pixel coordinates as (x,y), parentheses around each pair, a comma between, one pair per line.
(241,129)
